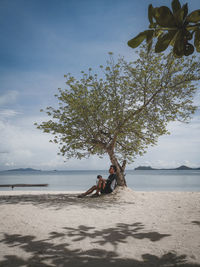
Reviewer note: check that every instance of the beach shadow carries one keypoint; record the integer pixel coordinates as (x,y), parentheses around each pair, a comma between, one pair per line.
(112,235)
(44,253)
(196,222)
(59,201)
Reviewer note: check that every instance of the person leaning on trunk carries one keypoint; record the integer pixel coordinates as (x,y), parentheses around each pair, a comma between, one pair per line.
(103,186)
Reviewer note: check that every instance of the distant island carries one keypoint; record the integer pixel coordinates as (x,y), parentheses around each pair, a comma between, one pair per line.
(140,168)
(148,168)
(22,170)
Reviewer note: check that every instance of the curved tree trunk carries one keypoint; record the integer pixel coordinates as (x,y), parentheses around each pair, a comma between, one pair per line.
(121,181)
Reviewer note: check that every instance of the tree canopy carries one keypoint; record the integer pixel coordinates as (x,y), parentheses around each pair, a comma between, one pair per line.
(171,27)
(124,110)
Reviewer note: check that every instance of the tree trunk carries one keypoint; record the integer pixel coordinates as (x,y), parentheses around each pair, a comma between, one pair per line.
(121,181)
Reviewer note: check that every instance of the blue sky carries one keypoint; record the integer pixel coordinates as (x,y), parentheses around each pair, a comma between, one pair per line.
(41,40)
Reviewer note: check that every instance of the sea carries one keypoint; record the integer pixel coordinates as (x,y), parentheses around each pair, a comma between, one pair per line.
(81,180)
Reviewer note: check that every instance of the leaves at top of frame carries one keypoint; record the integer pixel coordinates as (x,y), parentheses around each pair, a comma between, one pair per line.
(197,40)
(188,49)
(181,46)
(174,28)
(180,15)
(176,6)
(164,17)
(150,15)
(136,41)
(178,49)
(164,41)
(194,16)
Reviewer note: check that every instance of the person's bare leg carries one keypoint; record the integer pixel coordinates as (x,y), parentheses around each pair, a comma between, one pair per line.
(94,187)
(101,184)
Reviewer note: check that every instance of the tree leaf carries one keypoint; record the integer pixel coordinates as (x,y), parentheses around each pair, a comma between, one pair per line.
(150,14)
(194,16)
(197,40)
(164,41)
(136,41)
(172,42)
(149,35)
(164,17)
(175,6)
(188,35)
(188,49)
(178,49)
(181,14)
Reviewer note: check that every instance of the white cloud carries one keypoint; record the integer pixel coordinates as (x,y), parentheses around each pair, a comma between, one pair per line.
(5,113)
(181,147)
(8,98)
(22,145)
(26,146)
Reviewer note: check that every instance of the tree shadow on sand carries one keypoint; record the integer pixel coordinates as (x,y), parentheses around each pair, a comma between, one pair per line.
(52,252)
(196,222)
(59,201)
(112,235)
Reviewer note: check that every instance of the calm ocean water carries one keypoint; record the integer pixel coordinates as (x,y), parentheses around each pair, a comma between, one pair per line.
(159,180)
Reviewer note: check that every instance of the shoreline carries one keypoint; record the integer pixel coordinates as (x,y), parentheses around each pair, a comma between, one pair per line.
(70,192)
(125,228)
(34,192)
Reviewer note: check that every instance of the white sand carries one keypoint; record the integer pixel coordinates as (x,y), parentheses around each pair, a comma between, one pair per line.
(125,228)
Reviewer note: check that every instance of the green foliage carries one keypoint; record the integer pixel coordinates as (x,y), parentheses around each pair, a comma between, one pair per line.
(174,28)
(194,16)
(197,40)
(126,110)
(135,42)
(164,41)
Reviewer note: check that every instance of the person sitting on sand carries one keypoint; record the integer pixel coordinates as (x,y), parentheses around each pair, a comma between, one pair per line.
(104,186)
(101,183)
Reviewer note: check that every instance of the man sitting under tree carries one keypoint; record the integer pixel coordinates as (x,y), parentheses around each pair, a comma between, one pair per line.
(104,186)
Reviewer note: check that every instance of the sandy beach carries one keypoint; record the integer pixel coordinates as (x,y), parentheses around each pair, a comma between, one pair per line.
(125,228)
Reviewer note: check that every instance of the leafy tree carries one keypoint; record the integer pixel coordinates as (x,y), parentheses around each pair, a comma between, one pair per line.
(124,111)
(176,28)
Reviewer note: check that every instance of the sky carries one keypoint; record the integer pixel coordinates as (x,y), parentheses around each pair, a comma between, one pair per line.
(41,41)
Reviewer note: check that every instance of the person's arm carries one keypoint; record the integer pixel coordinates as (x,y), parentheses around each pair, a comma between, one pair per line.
(104,180)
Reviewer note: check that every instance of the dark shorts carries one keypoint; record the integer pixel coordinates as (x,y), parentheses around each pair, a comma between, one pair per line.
(106,190)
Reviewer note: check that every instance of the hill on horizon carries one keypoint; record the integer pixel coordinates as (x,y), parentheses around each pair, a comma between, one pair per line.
(182,167)
(148,168)
(22,170)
